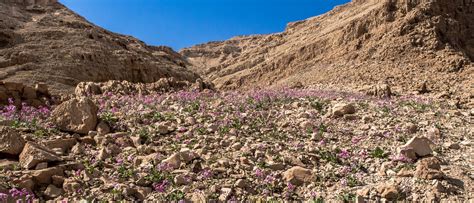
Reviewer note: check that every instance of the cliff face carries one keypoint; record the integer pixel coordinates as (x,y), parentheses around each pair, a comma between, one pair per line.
(41,41)
(404,42)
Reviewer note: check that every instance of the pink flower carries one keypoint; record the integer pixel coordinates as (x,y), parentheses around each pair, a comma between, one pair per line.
(344,154)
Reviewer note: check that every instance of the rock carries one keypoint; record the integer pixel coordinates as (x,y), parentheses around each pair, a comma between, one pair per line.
(11,141)
(44,176)
(241,183)
(184,156)
(33,154)
(381,90)
(103,128)
(7,164)
(70,185)
(78,115)
(405,173)
(141,192)
(25,182)
(103,154)
(182,179)
(42,165)
(276,166)
(420,145)
(87,89)
(454,146)
(411,128)
(29,93)
(64,144)
(389,192)
(297,175)
(306,125)
(226,193)
(429,169)
(42,89)
(341,109)
(53,192)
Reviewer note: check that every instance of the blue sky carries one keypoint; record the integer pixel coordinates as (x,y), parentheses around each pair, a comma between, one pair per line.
(183,23)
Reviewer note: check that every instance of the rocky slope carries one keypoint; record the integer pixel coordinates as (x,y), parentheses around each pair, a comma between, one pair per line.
(257,146)
(406,43)
(44,42)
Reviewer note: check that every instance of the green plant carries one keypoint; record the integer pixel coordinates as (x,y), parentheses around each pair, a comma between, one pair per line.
(109,118)
(379,153)
(124,172)
(347,197)
(176,195)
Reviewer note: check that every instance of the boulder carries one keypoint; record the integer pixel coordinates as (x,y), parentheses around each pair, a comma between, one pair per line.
(297,175)
(420,146)
(33,154)
(78,115)
(53,192)
(341,109)
(44,176)
(429,169)
(64,144)
(11,141)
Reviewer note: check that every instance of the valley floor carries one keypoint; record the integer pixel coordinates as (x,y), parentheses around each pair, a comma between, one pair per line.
(257,146)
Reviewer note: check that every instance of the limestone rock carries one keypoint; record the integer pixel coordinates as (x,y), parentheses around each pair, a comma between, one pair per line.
(342,109)
(297,175)
(420,145)
(53,192)
(33,154)
(11,141)
(389,192)
(44,176)
(78,115)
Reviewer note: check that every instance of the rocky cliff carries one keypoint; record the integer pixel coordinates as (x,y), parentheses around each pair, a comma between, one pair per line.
(41,41)
(403,42)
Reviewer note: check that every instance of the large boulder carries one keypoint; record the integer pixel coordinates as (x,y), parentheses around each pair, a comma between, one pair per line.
(418,145)
(11,141)
(78,115)
(342,109)
(34,154)
(298,175)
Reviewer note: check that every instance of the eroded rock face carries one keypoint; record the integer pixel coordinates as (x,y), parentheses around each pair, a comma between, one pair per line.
(82,51)
(33,154)
(11,141)
(77,115)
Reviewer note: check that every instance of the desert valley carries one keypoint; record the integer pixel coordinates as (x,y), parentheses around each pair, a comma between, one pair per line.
(370,102)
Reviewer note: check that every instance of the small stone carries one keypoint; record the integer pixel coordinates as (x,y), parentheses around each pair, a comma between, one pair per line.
(53,192)
(184,156)
(411,128)
(71,185)
(41,166)
(103,128)
(190,121)
(454,146)
(44,176)
(226,193)
(141,192)
(276,166)
(103,154)
(405,173)
(182,179)
(389,192)
(241,183)
(237,146)
(297,175)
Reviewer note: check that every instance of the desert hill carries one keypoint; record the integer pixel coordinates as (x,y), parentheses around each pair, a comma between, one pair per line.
(405,43)
(45,42)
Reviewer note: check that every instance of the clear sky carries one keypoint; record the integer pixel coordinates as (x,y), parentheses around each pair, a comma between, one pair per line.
(183,23)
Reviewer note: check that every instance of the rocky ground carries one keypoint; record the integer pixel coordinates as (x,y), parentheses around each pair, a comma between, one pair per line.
(262,145)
